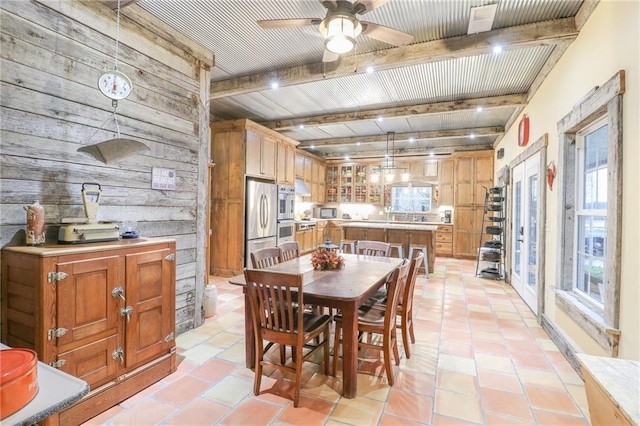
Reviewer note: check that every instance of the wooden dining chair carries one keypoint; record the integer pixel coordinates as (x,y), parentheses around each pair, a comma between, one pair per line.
(405,303)
(373,248)
(289,250)
(265,257)
(378,319)
(273,297)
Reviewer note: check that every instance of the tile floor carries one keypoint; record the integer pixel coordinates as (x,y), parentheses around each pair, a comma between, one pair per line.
(479,358)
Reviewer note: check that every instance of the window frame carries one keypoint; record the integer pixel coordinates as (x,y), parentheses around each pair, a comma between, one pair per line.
(427,186)
(599,322)
(580,211)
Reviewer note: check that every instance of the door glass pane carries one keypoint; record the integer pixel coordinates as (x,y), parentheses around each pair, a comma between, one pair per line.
(517,253)
(532,232)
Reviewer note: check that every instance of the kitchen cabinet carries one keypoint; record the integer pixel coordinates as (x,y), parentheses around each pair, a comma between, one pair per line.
(260,155)
(445,182)
(285,173)
(321,228)
(306,240)
(352,183)
(232,145)
(312,171)
(103,312)
(444,240)
(472,172)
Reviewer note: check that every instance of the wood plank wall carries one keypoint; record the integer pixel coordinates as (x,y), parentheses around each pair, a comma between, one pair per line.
(51,57)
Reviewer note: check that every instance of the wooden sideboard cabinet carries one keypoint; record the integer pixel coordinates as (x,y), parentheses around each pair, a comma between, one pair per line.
(103,312)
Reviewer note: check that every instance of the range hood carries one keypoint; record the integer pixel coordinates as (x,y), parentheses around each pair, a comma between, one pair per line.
(302,189)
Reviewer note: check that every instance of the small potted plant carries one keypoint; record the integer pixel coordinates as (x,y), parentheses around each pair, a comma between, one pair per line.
(324,258)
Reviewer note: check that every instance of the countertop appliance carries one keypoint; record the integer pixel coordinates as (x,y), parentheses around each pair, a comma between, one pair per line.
(447,216)
(88,229)
(261,217)
(286,202)
(325,212)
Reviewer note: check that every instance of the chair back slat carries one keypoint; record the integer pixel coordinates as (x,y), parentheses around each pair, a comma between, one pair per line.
(265,257)
(374,248)
(289,250)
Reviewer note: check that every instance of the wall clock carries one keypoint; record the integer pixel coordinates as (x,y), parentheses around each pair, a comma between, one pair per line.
(523,131)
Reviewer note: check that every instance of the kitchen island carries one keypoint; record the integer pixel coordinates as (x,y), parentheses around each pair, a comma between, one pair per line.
(407,234)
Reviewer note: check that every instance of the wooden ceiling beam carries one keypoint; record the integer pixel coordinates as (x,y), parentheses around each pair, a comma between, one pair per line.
(400,137)
(375,155)
(402,111)
(517,37)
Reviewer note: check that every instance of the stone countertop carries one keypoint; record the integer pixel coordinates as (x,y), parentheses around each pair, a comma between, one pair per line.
(57,390)
(618,380)
(410,226)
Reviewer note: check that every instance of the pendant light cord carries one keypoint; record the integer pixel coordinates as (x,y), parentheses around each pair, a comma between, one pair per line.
(115,67)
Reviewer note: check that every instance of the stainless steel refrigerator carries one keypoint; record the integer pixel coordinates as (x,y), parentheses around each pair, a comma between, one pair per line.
(262,217)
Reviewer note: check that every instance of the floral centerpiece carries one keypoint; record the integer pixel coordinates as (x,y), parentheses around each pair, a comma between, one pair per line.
(324,258)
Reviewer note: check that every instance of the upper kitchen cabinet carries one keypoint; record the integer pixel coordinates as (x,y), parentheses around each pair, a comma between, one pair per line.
(285,173)
(312,170)
(260,160)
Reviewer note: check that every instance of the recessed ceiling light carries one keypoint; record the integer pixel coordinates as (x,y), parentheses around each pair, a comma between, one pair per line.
(472,136)
(432,154)
(380,119)
(370,69)
(479,109)
(497,49)
(301,126)
(346,157)
(412,140)
(386,156)
(275,85)
(313,147)
(358,143)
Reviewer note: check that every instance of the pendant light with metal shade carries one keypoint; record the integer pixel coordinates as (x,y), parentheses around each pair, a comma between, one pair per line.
(389,168)
(115,85)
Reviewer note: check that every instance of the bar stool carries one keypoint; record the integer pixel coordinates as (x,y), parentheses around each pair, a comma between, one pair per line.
(399,248)
(348,243)
(423,249)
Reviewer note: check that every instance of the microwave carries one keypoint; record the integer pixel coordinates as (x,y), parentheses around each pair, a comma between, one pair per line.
(325,212)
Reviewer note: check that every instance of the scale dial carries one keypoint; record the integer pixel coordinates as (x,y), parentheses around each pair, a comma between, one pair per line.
(115,85)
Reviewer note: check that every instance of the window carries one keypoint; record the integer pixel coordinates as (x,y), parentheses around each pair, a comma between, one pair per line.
(411,199)
(591,211)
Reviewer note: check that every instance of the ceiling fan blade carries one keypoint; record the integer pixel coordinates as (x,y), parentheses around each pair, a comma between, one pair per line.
(288,23)
(368,5)
(329,56)
(386,34)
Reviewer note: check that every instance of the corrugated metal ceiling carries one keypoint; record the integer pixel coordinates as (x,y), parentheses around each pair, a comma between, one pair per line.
(229,29)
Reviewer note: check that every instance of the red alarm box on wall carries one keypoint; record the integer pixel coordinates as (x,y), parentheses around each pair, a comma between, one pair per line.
(18,379)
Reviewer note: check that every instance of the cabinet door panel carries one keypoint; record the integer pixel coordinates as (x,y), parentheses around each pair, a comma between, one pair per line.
(281,172)
(92,362)
(253,165)
(85,306)
(269,149)
(464,182)
(149,276)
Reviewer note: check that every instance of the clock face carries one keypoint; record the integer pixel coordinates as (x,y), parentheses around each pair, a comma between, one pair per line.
(115,85)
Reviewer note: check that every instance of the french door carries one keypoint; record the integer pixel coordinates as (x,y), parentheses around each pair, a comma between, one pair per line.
(526,230)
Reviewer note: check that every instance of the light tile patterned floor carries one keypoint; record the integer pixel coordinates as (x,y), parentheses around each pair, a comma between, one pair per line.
(479,358)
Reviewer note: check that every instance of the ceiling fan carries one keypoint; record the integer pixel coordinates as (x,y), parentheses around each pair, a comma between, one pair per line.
(340,26)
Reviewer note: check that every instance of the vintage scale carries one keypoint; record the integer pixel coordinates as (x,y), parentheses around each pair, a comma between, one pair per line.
(88,229)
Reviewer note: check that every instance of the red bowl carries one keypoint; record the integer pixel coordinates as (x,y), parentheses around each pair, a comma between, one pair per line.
(18,379)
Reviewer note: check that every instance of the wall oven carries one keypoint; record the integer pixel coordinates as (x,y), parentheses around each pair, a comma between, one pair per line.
(286,231)
(286,202)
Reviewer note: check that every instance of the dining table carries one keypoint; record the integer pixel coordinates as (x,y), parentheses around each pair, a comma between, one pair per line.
(345,289)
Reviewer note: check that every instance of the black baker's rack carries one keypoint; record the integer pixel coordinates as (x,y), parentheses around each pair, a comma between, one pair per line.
(490,260)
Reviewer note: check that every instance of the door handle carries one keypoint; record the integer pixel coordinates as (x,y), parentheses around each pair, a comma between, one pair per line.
(126,312)
(118,292)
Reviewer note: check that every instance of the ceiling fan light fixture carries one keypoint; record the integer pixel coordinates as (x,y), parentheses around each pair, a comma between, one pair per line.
(340,32)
